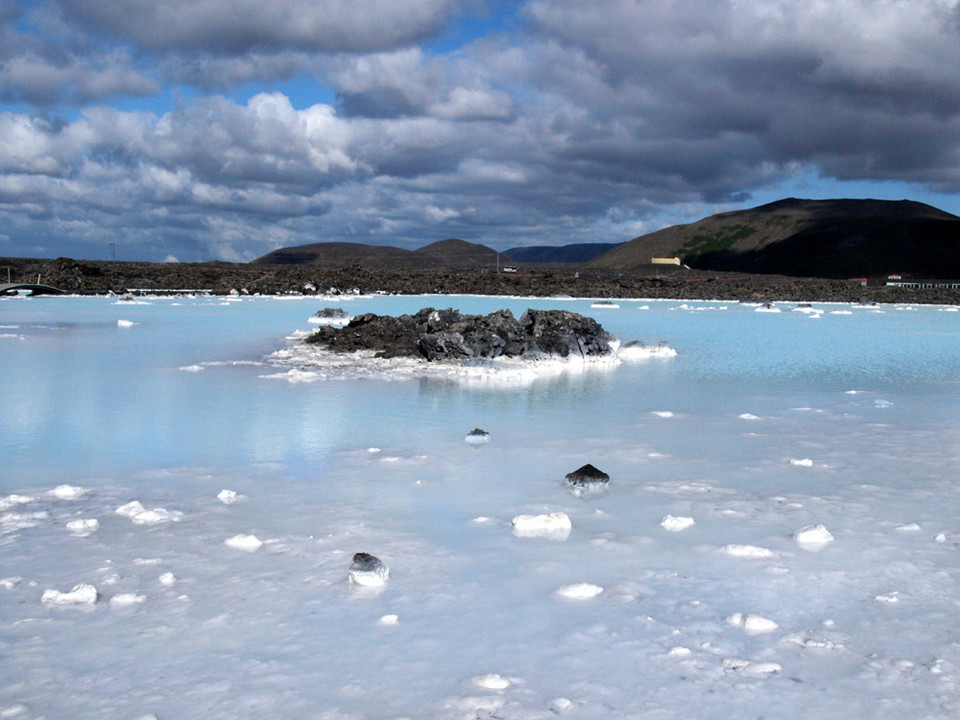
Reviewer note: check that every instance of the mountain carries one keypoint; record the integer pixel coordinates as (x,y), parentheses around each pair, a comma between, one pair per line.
(806,238)
(576,253)
(336,254)
(458,253)
(445,253)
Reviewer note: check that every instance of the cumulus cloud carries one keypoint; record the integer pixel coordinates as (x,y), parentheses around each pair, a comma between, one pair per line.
(585,122)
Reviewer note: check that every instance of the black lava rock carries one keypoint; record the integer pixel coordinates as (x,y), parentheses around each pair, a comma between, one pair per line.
(587,475)
(448,335)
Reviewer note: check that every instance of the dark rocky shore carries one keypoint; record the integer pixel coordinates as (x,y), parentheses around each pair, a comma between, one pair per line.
(101,277)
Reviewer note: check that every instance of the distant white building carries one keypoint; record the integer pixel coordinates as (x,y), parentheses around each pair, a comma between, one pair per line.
(665,261)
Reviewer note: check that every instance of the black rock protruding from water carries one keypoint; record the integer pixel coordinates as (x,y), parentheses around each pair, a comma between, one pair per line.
(448,335)
(587,483)
(332,314)
(478,437)
(369,570)
(587,475)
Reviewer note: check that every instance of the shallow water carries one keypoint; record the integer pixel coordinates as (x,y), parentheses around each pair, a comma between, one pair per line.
(764,423)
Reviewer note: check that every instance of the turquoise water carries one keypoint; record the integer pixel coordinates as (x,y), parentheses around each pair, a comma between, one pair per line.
(763,423)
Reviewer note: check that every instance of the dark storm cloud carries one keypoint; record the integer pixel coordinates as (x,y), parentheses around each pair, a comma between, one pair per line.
(862,90)
(234,27)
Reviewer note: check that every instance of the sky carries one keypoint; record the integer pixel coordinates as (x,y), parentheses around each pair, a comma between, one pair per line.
(197,130)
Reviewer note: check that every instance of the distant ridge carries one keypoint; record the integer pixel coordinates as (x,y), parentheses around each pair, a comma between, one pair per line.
(806,238)
(575,253)
(452,253)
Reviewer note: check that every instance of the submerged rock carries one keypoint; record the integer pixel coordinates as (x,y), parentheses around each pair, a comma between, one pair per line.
(448,335)
(368,570)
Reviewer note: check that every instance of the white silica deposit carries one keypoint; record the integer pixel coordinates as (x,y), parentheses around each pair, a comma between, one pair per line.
(139,515)
(83,527)
(553,526)
(677,524)
(579,591)
(227,497)
(636,351)
(748,551)
(67,492)
(752,669)
(247,543)
(82,594)
(813,537)
(127,600)
(751,623)
(491,681)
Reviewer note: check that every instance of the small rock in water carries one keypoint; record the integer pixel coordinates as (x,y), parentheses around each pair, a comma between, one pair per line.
(82,594)
(329,314)
(587,482)
(587,475)
(553,526)
(813,537)
(478,437)
(368,570)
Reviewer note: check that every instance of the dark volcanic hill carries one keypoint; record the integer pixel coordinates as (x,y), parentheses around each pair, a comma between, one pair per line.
(337,254)
(457,253)
(575,253)
(807,238)
(445,253)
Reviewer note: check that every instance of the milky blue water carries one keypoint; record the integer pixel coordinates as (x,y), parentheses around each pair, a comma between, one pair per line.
(763,423)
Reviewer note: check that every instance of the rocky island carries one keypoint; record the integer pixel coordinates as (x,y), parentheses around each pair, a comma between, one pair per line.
(449,335)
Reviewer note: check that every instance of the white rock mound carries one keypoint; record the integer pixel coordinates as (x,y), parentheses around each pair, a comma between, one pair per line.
(247,543)
(676,524)
(579,591)
(552,526)
(751,624)
(82,594)
(813,538)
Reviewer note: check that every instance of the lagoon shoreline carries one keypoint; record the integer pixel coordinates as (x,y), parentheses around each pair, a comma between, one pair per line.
(98,277)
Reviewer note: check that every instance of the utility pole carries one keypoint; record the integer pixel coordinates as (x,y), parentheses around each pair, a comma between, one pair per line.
(113,251)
